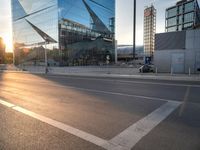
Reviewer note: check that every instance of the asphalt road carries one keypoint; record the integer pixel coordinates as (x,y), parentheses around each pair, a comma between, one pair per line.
(83,113)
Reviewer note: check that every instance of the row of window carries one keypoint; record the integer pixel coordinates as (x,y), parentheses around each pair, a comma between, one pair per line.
(189,17)
(188,7)
(180,27)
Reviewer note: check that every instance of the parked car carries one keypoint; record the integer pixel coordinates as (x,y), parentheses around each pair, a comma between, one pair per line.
(146,69)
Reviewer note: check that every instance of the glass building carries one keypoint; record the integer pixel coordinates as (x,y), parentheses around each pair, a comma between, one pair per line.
(74,32)
(184,15)
(149,31)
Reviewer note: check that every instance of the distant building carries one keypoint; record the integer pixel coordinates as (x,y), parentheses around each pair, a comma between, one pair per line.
(125,53)
(2,51)
(184,15)
(178,52)
(149,31)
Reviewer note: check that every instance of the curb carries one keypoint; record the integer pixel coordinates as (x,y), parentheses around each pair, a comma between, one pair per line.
(150,77)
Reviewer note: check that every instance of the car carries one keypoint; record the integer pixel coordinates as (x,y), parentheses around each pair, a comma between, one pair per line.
(146,69)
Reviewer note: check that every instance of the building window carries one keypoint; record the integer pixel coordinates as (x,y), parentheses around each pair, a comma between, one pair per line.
(180,28)
(180,19)
(171,12)
(188,17)
(188,25)
(171,22)
(189,7)
(171,29)
(180,9)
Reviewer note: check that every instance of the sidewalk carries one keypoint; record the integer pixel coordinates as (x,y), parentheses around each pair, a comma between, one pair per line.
(111,72)
(97,71)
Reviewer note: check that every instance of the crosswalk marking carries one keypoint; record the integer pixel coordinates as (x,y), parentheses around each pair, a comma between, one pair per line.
(124,141)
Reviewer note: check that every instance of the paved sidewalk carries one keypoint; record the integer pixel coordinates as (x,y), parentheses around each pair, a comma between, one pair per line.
(96,71)
(106,72)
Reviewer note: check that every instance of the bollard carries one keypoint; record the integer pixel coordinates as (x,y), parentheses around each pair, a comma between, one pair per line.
(189,71)
(171,71)
(156,70)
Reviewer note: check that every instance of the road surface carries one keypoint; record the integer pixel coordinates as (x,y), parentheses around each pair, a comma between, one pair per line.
(87,113)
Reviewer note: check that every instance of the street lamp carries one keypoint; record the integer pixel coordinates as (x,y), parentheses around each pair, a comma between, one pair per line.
(134,27)
(45,56)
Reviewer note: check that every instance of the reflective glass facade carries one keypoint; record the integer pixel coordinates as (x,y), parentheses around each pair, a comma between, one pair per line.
(74,32)
(184,15)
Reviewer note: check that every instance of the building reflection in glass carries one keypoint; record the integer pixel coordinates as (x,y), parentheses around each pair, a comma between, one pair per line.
(76,32)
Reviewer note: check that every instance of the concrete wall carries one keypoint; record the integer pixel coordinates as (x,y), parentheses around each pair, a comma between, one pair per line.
(82,70)
(193,49)
(172,40)
(190,61)
(163,57)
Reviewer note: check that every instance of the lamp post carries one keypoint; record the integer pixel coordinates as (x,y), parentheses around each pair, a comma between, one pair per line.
(134,27)
(45,53)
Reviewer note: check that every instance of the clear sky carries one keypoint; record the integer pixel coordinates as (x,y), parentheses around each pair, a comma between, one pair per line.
(124,26)
(5,23)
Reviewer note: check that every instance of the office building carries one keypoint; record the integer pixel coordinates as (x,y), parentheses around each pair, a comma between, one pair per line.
(183,16)
(149,31)
(178,50)
(2,51)
(80,32)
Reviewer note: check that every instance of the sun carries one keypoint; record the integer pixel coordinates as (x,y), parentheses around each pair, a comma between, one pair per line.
(8,42)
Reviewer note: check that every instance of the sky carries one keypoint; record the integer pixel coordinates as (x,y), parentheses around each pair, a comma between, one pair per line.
(124,20)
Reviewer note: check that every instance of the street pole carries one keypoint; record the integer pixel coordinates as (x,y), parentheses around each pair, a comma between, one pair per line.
(134,28)
(13,57)
(13,51)
(45,53)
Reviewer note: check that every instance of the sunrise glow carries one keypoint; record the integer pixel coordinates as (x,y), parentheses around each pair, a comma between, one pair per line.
(8,43)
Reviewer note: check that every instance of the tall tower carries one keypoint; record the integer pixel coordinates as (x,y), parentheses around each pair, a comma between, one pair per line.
(149,31)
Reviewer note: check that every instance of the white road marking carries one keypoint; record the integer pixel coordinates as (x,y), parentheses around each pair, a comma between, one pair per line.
(111,93)
(121,94)
(6,103)
(124,141)
(76,132)
(132,135)
(185,100)
(81,134)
